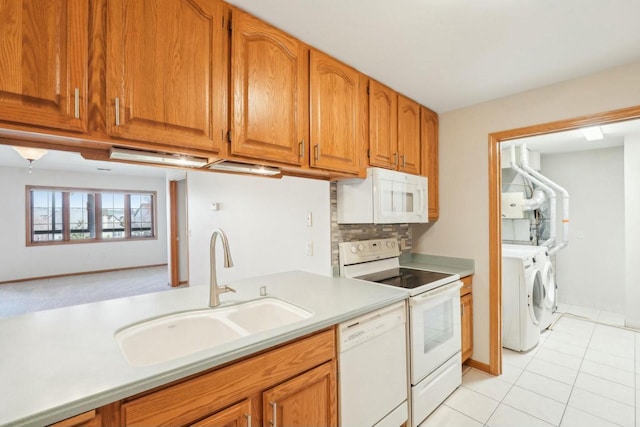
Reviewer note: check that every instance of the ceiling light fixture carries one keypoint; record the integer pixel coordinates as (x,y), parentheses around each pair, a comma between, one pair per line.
(31,154)
(156,158)
(236,167)
(593,133)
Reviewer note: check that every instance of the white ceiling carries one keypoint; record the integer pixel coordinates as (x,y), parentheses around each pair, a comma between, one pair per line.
(574,140)
(448,54)
(68,161)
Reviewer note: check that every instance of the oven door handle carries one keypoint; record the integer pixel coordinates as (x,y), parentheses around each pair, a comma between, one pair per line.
(429,295)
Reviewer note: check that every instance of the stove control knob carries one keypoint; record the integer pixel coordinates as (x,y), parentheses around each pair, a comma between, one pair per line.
(360,247)
(391,244)
(353,249)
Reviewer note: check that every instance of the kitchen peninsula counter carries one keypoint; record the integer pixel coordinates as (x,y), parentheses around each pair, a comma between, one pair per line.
(62,362)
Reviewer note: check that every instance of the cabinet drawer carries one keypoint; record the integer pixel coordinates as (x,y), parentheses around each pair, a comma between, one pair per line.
(190,400)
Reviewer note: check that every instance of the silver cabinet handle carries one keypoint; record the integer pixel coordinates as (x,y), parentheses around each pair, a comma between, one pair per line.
(76,94)
(274,414)
(316,154)
(117,111)
(302,148)
(248,417)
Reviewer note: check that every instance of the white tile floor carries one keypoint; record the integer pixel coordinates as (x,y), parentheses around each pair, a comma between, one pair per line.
(581,374)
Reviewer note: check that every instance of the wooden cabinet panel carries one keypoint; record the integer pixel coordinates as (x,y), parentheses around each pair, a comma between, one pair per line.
(306,400)
(409,135)
(429,140)
(269,92)
(43,63)
(191,400)
(338,114)
(383,126)
(86,419)
(466,314)
(166,72)
(238,415)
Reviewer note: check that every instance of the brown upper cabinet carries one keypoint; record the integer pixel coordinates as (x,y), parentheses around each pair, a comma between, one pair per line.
(338,112)
(383,126)
(394,130)
(269,92)
(166,72)
(43,66)
(429,132)
(408,136)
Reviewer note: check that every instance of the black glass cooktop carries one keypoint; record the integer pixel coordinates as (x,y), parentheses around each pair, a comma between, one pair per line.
(407,278)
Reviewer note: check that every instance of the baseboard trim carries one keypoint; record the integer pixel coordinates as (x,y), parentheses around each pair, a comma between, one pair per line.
(478,365)
(56,276)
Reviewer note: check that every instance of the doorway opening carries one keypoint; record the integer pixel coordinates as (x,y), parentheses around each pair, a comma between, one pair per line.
(495,223)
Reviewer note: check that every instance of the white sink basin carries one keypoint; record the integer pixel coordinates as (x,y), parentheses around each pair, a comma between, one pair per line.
(269,313)
(180,334)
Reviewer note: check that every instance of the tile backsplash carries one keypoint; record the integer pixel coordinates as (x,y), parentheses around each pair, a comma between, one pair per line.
(352,232)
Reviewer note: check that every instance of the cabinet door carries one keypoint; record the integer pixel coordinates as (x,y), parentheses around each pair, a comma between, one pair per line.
(269,92)
(383,126)
(409,135)
(429,142)
(310,399)
(338,114)
(165,72)
(43,62)
(466,313)
(238,415)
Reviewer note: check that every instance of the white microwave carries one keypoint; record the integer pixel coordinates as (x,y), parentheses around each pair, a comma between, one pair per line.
(383,197)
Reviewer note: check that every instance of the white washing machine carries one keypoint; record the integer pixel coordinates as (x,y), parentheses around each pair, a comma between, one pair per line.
(543,262)
(550,302)
(522,302)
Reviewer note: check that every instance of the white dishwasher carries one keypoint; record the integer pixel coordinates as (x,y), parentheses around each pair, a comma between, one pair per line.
(372,365)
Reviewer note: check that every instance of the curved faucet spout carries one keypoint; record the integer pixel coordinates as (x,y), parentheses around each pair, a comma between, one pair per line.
(215,290)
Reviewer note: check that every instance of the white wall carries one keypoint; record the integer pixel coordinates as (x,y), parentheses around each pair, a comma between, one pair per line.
(263,218)
(632,226)
(590,271)
(463,227)
(17,261)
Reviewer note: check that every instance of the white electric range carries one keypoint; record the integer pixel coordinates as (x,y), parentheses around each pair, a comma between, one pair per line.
(434,319)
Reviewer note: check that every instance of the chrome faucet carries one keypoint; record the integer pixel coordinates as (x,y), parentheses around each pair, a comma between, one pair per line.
(215,290)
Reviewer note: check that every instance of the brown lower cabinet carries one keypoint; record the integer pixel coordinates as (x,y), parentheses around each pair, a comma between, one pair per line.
(293,384)
(466,315)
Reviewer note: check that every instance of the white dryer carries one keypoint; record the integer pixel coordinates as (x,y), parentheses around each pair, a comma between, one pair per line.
(541,258)
(522,302)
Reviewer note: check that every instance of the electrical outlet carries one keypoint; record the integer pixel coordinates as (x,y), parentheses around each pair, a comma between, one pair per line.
(309,219)
(308,250)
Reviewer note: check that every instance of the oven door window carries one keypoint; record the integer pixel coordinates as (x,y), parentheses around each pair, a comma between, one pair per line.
(438,326)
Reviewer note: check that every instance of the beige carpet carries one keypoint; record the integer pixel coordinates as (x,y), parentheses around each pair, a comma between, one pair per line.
(35,295)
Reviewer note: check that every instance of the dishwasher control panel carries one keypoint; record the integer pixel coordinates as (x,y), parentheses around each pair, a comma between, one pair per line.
(361,329)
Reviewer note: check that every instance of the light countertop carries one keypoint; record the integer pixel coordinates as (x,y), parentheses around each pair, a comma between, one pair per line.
(59,363)
(461,266)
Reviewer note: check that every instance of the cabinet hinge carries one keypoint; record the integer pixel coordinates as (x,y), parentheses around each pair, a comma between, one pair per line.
(229,25)
(229,136)
(367,89)
(368,152)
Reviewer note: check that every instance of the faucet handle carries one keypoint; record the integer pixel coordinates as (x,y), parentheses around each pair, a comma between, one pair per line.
(226,288)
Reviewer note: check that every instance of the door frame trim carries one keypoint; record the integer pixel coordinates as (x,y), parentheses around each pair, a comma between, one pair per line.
(495,224)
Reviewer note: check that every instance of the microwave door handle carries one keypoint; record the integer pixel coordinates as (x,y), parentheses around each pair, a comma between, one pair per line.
(429,295)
